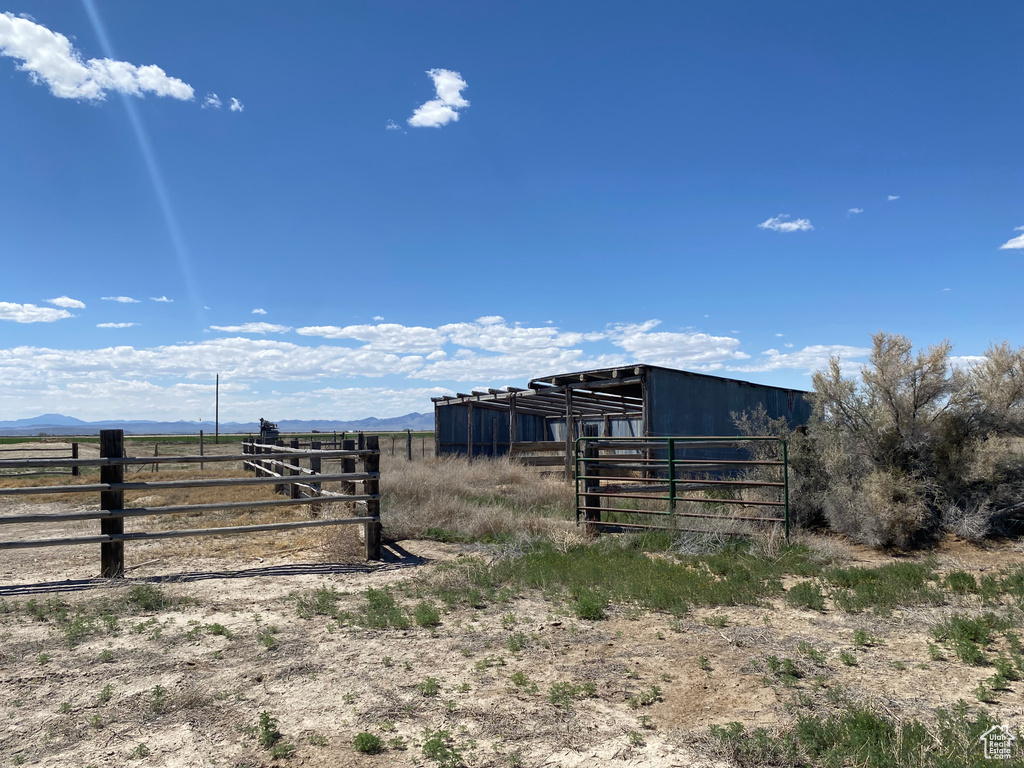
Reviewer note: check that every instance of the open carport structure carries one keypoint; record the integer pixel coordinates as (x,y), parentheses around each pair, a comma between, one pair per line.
(541,422)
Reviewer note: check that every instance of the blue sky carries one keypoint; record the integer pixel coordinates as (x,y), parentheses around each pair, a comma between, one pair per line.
(344,209)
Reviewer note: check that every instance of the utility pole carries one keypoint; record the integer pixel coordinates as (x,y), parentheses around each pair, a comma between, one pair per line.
(216,416)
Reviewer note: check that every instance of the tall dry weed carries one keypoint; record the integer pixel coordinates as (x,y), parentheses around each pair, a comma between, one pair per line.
(488,498)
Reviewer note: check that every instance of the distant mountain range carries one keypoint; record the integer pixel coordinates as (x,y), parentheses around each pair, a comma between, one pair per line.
(57,424)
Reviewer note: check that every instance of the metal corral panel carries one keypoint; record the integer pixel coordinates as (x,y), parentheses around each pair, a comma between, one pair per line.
(682,403)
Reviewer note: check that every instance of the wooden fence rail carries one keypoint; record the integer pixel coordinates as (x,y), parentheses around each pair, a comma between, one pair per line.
(403,443)
(73,468)
(112,486)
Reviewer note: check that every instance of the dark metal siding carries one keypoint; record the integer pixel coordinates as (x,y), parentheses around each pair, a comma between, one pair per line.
(451,426)
(683,404)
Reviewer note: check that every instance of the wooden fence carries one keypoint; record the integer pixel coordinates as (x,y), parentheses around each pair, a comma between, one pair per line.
(43,448)
(552,453)
(394,443)
(112,487)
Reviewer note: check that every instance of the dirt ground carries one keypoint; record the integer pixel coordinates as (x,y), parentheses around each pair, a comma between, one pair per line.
(184,685)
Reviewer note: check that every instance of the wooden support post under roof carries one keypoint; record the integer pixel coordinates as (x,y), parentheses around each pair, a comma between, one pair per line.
(469,431)
(568,434)
(513,419)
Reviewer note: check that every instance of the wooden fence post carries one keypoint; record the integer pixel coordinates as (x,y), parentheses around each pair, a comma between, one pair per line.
(74,455)
(201,465)
(408,445)
(360,440)
(279,487)
(293,489)
(314,466)
(348,465)
(156,452)
(371,463)
(112,552)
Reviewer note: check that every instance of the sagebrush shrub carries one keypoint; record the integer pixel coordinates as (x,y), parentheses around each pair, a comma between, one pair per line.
(911,447)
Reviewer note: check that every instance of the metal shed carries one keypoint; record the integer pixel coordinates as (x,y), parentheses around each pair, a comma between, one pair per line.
(635,400)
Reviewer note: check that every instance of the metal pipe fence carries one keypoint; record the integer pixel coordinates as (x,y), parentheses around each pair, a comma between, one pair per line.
(724,485)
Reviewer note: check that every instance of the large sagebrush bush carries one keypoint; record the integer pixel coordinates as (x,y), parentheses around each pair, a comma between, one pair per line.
(912,446)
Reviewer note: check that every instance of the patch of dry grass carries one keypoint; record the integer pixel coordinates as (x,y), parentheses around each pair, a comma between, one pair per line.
(490,498)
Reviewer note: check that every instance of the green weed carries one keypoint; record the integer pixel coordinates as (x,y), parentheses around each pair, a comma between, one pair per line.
(426,614)
(960,582)
(381,610)
(429,687)
(806,594)
(267,637)
(140,751)
(158,700)
(562,694)
(518,642)
(968,636)
(440,747)
(367,743)
(266,730)
(322,601)
(147,597)
(883,588)
(645,698)
(523,682)
(811,652)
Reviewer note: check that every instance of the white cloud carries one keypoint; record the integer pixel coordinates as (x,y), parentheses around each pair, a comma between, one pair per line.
(855,210)
(1014,243)
(675,349)
(779,224)
(171,381)
(212,101)
(445,108)
(236,105)
(378,318)
(259,311)
(121,299)
(50,58)
(385,337)
(251,328)
(30,313)
(808,359)
(161,299)
(890,198)
(391,125)
(66,302)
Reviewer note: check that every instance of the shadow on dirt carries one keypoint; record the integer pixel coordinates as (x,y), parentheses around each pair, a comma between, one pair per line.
(393,557)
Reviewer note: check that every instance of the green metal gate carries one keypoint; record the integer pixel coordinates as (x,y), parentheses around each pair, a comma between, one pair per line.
(725,485)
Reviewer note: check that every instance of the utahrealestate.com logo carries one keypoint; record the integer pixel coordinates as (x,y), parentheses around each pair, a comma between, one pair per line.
(998,741)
